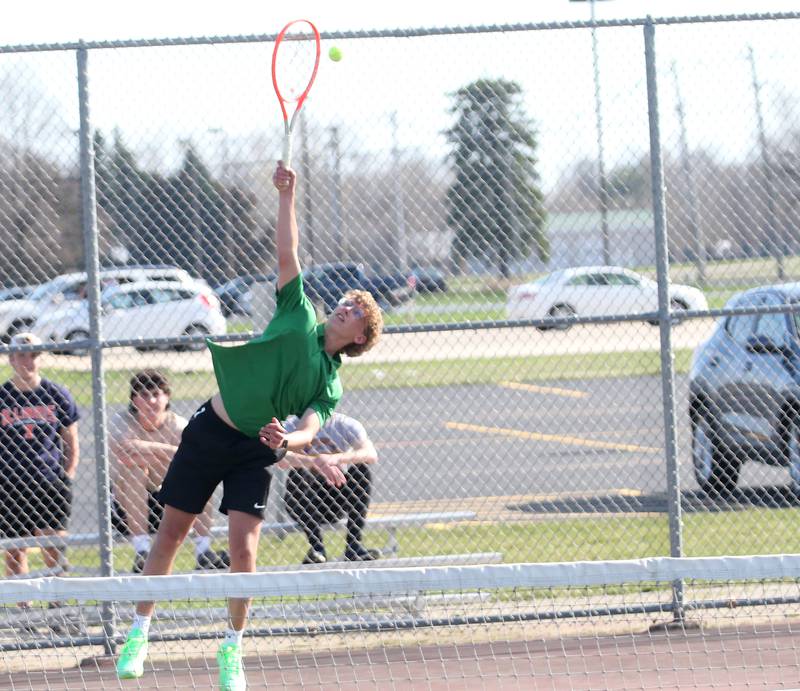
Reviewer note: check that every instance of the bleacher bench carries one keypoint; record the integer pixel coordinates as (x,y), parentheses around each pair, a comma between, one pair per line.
(391,524)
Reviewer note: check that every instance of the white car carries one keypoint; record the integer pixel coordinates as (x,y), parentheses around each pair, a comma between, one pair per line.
(148,309)
(595,291)
(19,315)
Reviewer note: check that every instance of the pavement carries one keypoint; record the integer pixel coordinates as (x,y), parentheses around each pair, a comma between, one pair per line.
(442,345)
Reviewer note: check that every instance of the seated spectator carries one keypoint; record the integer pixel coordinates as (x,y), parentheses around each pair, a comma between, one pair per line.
(143,440)
(328,480)
(38,458)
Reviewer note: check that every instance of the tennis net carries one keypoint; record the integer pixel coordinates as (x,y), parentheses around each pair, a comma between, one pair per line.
(718,622)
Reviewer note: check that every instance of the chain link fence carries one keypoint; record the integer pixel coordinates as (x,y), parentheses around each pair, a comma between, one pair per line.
(523,408)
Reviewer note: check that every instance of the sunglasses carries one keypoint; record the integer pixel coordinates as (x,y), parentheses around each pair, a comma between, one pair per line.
(355,308)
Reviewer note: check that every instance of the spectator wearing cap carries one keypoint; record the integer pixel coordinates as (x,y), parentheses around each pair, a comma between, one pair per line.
(143,440)
(38,456)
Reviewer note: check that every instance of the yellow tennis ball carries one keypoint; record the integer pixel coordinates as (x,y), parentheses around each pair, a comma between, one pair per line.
(335,54)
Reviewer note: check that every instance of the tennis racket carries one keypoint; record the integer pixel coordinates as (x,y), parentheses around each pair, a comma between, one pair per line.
(295,60)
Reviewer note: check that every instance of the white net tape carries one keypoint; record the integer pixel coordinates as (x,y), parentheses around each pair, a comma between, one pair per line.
(654,623)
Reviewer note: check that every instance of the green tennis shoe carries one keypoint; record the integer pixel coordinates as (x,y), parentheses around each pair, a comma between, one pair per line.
(130,664)
(231,673)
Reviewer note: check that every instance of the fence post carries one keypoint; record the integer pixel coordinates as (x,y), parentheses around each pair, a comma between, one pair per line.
(91,252)
(664,315)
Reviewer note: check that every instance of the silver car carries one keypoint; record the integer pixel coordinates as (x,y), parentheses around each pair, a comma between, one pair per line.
(744,392)
(145,310)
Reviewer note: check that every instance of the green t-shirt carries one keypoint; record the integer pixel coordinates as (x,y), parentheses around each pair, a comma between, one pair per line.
(284,371)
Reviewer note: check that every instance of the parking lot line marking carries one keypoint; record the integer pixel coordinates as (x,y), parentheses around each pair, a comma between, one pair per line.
(559,438)
(402,444)
(534,388)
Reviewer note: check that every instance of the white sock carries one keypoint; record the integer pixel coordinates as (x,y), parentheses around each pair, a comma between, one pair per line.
(141,543)
(202,543)
(232,636)
(142,622)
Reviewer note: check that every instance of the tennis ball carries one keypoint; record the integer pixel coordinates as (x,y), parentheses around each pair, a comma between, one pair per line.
(335,54)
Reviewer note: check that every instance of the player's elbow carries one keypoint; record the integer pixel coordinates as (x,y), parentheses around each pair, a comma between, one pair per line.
(288,265)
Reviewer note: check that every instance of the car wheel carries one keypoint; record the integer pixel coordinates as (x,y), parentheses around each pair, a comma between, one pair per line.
(793,454)
(715,469)
(677,306)
(79,335)
(560,311)
(194,330)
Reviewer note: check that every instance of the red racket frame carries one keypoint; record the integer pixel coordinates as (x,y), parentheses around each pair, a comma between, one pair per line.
(288,124)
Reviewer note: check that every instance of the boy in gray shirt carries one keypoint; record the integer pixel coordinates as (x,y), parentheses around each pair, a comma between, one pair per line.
(338,483)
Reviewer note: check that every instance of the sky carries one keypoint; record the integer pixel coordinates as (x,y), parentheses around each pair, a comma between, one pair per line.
(156,107)
(53,21)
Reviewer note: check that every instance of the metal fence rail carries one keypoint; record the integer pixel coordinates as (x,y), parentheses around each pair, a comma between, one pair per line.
(508,400)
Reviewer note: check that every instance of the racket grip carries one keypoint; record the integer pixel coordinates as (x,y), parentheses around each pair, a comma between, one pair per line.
(287,150)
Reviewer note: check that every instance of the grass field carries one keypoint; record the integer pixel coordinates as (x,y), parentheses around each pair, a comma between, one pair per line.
(749,531)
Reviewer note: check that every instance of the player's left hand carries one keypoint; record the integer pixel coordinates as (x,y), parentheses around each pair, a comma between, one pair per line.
(273,434)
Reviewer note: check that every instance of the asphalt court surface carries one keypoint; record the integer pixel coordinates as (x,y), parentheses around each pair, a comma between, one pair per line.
(598,443)
(667,659)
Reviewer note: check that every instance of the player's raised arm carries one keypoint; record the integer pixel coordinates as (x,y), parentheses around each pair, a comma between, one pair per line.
(287,237)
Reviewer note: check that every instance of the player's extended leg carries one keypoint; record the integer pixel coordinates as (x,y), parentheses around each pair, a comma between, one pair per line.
(244,530)
(175,526)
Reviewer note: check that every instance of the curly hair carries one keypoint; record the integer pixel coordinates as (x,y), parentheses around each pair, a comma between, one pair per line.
(373,322)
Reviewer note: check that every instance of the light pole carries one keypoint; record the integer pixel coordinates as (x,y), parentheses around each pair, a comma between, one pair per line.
(695,231)
(308,208)
(339,240)
(192,188)
(399,199)
(602,192)
(769,174)
(229,226)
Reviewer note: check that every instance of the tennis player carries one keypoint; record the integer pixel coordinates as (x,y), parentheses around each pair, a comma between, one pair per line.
(291,369)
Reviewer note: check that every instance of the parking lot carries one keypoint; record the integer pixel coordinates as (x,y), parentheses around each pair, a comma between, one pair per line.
(588,438)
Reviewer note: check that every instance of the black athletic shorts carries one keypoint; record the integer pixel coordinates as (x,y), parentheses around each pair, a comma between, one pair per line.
(211,452)
(31,502)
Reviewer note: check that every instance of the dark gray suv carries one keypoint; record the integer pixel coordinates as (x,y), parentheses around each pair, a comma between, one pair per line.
(744,392)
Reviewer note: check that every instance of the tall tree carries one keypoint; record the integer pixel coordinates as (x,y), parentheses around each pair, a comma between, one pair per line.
(121,193)
(495,204)
(188,219)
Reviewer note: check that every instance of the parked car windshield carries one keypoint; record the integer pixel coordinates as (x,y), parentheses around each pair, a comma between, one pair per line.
(554,277)
(46,290)
(14,293)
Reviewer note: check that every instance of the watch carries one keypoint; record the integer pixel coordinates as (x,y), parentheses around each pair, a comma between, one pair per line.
(285,444)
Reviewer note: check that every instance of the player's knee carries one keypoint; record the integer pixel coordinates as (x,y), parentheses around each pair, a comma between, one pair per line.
(243,556)
(174,528)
